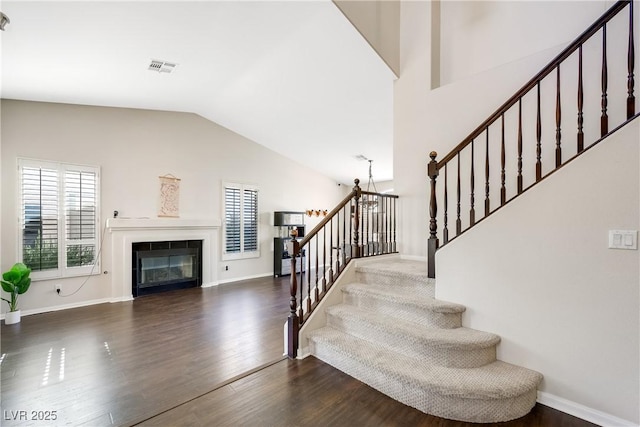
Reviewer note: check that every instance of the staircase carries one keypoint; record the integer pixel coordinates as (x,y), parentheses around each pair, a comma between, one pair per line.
(392,334)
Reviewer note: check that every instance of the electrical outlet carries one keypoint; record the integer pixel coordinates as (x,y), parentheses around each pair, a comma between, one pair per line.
(57,288)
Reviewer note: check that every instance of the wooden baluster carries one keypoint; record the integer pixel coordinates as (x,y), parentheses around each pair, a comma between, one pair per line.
(445,228)
(306,272)
(604,118)
(301,288)
(519,145)
(558,120)
(344,236)
(388,222)
(458,220)
(317,267)
(324,259)
(538,139)
(432,246)
(383,218)
(363,219)
(580,103)
(631,99)
(293,323)
(472,211)
(487,203)
(356,220)
(350,239)
(395,214)
(367,216)
(337,247)
(330,252)
(503,159)
(376,219)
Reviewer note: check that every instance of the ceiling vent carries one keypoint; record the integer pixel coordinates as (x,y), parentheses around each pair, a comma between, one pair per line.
(162,66)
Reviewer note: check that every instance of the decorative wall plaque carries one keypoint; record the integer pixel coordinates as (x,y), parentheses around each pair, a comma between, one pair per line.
(169,196)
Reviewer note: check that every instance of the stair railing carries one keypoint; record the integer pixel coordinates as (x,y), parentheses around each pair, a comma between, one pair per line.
(363,224)
(464,161)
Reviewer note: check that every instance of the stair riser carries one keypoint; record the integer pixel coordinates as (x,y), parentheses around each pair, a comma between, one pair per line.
(451,407)
(423,350)
(419,285)
(415,314)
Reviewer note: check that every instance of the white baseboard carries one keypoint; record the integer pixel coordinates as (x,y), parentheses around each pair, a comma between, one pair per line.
(209,285)
(237,279)
(70,305)
(581,411)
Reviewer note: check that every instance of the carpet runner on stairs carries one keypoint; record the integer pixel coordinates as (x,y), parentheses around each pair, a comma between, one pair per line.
(392,334)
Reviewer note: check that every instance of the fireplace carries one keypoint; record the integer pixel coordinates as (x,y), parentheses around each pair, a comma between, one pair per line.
(164,266)
(125,232)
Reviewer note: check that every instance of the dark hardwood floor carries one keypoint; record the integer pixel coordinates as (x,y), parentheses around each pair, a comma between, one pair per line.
(188,358)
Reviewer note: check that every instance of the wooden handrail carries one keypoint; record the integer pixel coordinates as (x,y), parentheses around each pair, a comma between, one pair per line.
(353,229)
(579,41)
(331,214)
(515,103)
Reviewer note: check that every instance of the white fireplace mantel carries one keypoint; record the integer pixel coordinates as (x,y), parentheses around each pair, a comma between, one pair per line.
(124,224)
(124,232)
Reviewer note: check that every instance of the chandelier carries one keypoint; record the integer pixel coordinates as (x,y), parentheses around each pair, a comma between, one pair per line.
(370,202)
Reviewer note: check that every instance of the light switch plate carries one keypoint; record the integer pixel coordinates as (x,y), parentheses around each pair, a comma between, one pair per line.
(623,239)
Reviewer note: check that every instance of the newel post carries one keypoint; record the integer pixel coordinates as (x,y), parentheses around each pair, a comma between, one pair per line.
(432,245)
(356,219)
(293,322)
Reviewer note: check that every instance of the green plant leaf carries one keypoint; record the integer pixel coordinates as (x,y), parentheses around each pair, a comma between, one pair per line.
(8,287)
(11,276)
(21,268)
(24,284)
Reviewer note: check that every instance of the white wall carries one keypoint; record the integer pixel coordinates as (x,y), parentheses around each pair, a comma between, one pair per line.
(480,35)
(379,23)
(427,120)
(133,148)
(563,303)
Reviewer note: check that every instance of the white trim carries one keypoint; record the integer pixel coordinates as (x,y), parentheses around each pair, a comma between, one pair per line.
(61,169)
(581,411)
(124,232)
(237,279)
(68,306)
(209,284)
(243,254)
(134,224)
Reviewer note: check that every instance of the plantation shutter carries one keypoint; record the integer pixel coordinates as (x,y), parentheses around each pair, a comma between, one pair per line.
(59,218)
(81,217)
(250,220)
(39,217)
(240,221)
(232,217)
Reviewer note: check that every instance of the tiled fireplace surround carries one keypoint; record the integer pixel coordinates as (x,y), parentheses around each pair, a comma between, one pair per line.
(124,232)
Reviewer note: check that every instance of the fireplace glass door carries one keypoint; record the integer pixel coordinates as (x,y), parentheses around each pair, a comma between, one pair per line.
(159,270)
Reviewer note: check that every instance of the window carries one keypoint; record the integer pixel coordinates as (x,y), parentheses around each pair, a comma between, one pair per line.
(58,218)
(240,221)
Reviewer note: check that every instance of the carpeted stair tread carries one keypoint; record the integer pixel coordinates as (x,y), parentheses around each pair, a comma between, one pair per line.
(458,338)
(404,297)
(398,273)
(458,347)
(412,270)
(496,380)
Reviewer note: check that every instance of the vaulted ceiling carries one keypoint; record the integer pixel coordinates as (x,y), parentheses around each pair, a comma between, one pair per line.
(294,76)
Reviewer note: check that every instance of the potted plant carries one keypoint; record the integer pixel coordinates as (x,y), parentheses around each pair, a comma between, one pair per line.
(15,282)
